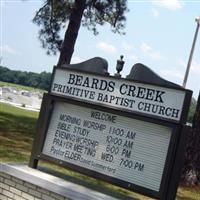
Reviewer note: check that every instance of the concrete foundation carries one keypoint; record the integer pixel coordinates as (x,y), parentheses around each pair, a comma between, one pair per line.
(19,182)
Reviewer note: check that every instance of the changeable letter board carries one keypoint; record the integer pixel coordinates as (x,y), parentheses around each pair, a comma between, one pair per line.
(129,133)
(146,99)
(124,148)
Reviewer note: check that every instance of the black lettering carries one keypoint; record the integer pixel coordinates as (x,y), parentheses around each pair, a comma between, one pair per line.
(55,86)
(77,90)
(67,145)
(150,94)
(175,113)
(59,88)
(162,110)
(86,92)
(105,99)
(132,102)
(141,92)
(72,155)
(158,97)
(126,153)
(147,107)
(86,82)
(78,148)
(168,112)
(92,95)
(131,91)
(126,102)
(56,151)
(103,85)
(57,142)
(63,126)
(111,86)
(154,108)
(111,98)
(94,125)
(107,157)
(63,90)
(140,105)
(117,100)
(69,119)
(100,97)
(79,80)
(128,144)
(71,79)
(139,166)
(131,135)
(95,83)
(122,89)
(90,152)
(68,90)
(116,131)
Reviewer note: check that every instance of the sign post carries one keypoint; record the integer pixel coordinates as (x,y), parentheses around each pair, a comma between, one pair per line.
(129,133)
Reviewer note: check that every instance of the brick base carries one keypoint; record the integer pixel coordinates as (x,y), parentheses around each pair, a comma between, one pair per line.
(19,182)
(14,188)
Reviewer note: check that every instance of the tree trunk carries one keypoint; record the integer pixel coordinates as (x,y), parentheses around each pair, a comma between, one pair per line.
(71,33)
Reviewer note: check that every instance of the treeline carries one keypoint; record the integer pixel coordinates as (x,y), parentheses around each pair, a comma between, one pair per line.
(36,80)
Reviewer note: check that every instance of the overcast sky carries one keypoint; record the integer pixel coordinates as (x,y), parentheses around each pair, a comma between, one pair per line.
(159,34)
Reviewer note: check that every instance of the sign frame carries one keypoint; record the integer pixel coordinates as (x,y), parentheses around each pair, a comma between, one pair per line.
(174,157)
(42,127)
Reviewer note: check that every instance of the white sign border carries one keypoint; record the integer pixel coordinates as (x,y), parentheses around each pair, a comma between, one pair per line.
(174,89)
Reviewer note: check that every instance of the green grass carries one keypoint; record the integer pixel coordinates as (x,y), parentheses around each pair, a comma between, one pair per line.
(20,87)
(188,193)
(17,129)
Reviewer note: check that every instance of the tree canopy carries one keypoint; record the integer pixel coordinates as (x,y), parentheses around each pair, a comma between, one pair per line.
(41,80)
(53,16)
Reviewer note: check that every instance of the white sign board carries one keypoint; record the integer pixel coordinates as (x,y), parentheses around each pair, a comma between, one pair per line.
(119,93)
(124,148)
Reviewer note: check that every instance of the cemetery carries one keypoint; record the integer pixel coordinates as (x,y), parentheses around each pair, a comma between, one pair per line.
(24,99)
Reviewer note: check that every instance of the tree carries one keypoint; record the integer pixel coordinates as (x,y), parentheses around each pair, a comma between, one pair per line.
(41,80)
(44,81)
(192,110)
(195,148)
(54,14)
(191,168)
(196,132)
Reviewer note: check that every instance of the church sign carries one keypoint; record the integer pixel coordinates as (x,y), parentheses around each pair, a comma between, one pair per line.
(166,103)
(129,133)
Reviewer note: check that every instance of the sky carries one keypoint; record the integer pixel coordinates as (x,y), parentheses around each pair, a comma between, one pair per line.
(159,34)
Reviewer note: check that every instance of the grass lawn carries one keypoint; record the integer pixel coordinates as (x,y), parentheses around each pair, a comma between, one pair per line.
(17,129)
